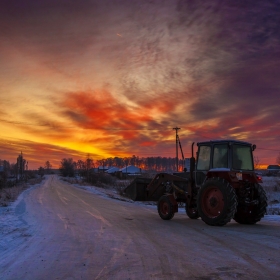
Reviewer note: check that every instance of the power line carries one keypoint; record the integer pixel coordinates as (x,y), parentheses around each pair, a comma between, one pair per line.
(268,149)
(177,162)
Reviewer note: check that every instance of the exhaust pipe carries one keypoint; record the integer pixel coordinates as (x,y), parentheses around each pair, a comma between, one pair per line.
(192,164)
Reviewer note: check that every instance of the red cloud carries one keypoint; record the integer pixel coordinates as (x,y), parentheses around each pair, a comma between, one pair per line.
(148,143)
(102,110)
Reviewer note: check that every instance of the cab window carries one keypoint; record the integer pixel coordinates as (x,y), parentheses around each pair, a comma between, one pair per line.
(203,160)
(242,158)
(220,156)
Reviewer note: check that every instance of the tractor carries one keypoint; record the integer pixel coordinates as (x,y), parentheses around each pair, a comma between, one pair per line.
(221,185)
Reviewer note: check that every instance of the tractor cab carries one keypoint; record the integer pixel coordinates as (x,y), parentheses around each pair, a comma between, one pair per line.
(223,156)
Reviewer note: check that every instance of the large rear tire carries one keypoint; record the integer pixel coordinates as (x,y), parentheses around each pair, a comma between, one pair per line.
(165,208)
(217,202)
(252,214)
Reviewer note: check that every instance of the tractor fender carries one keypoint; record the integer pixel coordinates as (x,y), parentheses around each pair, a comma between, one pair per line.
(231,177)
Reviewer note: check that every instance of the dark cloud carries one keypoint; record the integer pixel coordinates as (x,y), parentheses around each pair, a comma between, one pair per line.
(61,30)
(165,63)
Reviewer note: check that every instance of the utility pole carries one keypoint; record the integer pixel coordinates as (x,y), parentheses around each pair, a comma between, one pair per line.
(177,161)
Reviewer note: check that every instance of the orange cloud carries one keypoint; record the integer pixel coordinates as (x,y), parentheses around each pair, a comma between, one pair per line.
(99,109)
(36,153)
(102,110)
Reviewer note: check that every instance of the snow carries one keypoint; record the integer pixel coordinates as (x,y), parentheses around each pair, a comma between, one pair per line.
(130,169)
(272,187)
(112,170)
(60,244)
(14,230)
(269,183)
(13,226)
(7,213)
(111,193)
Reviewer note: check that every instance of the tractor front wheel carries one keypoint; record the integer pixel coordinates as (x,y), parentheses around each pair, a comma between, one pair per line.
(192,212)
(217,202)
(252,214)
(165,208)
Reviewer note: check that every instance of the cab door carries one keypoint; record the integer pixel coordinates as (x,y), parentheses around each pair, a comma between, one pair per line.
(202,163)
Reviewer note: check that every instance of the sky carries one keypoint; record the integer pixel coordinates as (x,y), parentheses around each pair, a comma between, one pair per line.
(114,77)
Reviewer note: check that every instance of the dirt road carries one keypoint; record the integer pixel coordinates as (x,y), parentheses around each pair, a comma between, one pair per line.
(58,231)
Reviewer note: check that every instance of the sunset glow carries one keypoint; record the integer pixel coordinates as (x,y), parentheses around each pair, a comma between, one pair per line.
(112,78)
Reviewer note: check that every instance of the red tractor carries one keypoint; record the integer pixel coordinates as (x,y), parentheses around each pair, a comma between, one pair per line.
(221,185)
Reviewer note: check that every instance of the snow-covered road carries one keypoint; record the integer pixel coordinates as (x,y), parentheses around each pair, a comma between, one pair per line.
(58,231)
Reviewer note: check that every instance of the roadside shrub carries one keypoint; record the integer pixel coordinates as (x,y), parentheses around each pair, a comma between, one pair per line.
(107,179)
(92,178)
(36,180)
(100,179)
(67,167)
(120,186)
(31,174)
(10,194)
(11,183)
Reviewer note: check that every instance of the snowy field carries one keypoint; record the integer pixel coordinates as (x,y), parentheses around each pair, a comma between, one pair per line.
(270,184)
(55,230)
(11,224)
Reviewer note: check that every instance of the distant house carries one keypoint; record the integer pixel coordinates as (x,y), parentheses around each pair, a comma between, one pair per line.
(131,169)
(94,170)
(273,169)
(112,170)
(102,168)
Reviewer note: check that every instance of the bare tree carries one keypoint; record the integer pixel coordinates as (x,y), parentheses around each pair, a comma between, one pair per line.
(89,162)
(41,171)
(89,165)
(81,166)
(256,162)
(5,166)
(48,166)
(21,166)
(67,167)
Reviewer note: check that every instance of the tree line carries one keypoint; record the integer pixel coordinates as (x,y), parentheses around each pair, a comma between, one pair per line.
(68,166)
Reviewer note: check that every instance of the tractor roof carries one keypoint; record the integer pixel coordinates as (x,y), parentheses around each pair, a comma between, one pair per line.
(224,142)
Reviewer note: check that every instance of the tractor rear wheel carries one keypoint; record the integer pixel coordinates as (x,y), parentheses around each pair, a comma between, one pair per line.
(252,214)
(165,208)
(192,212)
(217,202)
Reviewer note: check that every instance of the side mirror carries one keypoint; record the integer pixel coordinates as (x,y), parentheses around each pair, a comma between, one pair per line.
(254,147)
